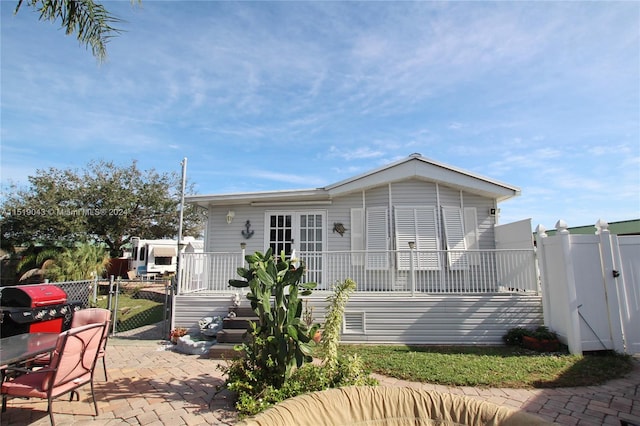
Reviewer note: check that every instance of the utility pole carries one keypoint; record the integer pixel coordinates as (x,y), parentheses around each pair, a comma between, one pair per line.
(184,181)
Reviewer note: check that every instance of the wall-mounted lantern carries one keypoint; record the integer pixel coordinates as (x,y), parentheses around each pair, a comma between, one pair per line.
(230,216)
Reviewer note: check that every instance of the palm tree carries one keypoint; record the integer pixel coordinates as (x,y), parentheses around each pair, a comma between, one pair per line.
(83,262)
(90,20)
(34,264)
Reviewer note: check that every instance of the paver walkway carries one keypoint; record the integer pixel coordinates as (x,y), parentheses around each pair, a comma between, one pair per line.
(149,385)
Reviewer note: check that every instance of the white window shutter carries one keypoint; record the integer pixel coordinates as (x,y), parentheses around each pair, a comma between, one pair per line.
(417,224)
(427,241)
(405,226)
(454,236)
(357,236)
(471,233)
(377,239)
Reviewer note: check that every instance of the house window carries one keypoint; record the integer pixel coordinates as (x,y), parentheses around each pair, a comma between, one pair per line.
(163,260)
(280,233)
(301,231)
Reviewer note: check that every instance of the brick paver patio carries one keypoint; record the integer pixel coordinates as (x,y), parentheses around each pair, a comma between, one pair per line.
(149,385)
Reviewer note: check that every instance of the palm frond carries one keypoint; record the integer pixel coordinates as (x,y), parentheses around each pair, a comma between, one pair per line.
(91,22)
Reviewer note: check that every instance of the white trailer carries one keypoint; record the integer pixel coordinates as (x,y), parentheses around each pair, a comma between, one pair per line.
(150,258)
(153,257)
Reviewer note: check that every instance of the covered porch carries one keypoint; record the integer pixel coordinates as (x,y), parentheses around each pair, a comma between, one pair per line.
(410,296)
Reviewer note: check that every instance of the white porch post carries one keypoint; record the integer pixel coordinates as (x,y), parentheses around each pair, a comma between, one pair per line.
(412,247)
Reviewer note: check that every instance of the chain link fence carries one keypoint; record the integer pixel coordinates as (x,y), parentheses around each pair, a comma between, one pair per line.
(139,309)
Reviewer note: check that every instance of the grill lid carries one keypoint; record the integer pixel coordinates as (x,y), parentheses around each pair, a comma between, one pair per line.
(32,296)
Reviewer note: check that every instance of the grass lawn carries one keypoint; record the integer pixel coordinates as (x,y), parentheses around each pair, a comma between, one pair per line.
(134,312)
(494,366)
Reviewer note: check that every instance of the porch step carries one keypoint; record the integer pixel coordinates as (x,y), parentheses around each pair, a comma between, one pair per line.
(223,351)
(234,335)
(238,322)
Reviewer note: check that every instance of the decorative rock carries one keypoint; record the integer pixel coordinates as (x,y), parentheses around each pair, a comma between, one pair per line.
(187,346)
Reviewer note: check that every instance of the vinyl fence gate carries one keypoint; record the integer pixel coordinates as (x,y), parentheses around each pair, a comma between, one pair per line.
(591,288)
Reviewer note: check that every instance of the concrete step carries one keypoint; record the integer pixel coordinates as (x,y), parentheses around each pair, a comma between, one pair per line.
(238,322)
(230,335)
(224,351)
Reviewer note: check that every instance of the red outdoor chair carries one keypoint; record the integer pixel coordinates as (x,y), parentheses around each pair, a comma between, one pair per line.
(94,316)
(80,318)
(72,366)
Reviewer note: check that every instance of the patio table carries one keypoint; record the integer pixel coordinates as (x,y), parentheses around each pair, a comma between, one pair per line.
(23,347)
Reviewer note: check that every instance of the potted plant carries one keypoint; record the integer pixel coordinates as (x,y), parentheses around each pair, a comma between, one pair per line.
(542,340)
(176,333)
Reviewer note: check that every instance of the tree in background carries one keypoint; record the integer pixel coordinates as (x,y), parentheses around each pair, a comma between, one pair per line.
(91,22)
(84,262)
(102,203)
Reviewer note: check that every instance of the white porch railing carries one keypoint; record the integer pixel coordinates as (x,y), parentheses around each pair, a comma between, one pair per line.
(413,271)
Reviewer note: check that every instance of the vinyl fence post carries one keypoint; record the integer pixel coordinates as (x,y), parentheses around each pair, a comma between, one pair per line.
(540,250)
(574,338)
(610,274)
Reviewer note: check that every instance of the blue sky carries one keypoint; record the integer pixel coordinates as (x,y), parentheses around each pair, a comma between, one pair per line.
(286,95)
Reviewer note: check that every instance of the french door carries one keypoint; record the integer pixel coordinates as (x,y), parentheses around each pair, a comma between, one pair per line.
(304,232)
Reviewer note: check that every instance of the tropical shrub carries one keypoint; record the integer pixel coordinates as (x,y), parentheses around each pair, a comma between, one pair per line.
(280,340)
(274,366)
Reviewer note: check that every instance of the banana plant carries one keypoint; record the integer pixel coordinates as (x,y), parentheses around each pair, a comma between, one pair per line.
(280,340)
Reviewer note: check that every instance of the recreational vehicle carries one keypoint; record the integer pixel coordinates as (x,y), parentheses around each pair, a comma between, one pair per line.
(150,258)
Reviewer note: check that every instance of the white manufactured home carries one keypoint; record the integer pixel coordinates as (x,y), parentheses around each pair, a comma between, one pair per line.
(420,238)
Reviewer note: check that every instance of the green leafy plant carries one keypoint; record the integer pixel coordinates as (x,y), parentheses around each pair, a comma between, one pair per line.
(307,314)
(543,333)
(514,336)
(333,320)
(254,398)
(280,340)
(259,378)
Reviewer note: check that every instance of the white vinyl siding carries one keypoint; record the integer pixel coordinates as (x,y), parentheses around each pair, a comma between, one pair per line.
(377,236)
(453,220)
(417,224)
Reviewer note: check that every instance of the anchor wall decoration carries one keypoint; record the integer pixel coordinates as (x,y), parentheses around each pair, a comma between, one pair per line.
(248,233)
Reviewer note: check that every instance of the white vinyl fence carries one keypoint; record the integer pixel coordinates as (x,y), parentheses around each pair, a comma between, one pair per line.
(591,288)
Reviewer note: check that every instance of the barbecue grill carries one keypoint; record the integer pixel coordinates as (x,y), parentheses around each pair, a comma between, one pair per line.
(33,309)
